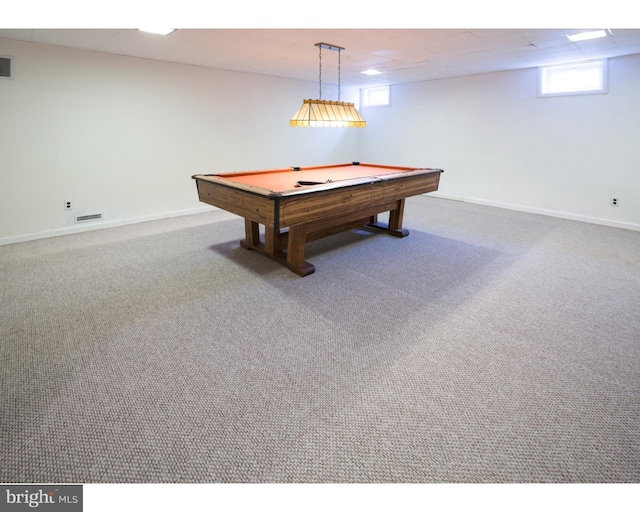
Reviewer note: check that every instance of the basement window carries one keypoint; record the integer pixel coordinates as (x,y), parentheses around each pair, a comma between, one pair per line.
(376,97)
(578,78)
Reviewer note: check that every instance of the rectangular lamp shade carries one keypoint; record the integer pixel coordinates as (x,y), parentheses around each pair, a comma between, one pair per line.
(322,113)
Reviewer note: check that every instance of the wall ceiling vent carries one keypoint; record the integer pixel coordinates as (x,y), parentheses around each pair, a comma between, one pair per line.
(6,67)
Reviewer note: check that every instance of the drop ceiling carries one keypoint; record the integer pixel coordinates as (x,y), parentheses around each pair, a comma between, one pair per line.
(403,55)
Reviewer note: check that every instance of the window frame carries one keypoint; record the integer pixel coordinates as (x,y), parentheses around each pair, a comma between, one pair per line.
(363,93)
(544,71)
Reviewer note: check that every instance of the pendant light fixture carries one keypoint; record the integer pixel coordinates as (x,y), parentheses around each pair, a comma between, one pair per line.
(322,113)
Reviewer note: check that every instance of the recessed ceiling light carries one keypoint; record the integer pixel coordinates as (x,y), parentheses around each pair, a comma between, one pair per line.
(161,31)
(584,36)
(371,72)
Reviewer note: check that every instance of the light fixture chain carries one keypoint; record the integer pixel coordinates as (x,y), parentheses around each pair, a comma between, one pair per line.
(339,66)
(320,79)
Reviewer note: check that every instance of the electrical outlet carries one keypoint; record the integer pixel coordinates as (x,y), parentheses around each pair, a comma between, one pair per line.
(67,205)
(615,201)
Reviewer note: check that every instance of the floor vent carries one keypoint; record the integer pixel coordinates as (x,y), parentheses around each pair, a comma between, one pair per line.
(6,67)
(85,218)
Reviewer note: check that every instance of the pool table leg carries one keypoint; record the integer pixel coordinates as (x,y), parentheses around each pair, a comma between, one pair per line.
(272,247)
(271,244)
(295,251)
(394,227)
(395,220)
(251,232)
(272,240)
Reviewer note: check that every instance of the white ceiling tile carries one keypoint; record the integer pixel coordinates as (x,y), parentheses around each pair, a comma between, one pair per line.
(91,39)
(18,34)
(53,37)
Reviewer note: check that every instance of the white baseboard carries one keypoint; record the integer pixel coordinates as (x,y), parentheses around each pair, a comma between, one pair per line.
(165,215)
(541,211)
(91,226)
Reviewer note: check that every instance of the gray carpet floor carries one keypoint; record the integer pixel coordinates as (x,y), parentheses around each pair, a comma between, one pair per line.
(488,346)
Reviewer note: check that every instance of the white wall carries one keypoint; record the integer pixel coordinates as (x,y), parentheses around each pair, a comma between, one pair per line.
(122,136)
(500,144)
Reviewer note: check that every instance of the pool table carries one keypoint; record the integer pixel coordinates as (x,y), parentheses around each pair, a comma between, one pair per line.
(297,205)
